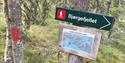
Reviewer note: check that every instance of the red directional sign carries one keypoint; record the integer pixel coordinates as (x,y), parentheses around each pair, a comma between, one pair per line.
(15,34)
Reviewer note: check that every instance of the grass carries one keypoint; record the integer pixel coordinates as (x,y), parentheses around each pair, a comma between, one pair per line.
(41,45)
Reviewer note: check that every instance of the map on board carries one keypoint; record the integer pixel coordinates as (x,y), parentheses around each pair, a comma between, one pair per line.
(77,41)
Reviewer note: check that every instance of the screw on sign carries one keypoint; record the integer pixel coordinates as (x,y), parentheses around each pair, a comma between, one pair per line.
(15,34)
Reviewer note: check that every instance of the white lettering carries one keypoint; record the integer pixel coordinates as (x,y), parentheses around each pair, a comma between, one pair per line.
(90,20)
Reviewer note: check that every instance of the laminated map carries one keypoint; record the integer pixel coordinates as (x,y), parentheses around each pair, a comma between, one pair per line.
(77,41)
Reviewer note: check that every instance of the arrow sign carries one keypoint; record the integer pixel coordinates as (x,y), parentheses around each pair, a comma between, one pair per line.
(107,22)
(79,18)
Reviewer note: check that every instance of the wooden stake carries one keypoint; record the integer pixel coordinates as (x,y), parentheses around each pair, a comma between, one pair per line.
(74,59)
(81,5)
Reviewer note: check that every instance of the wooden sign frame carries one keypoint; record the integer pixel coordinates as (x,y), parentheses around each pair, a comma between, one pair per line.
(91,46)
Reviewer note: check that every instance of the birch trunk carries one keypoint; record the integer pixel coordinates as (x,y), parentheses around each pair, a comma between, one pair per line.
(13,52)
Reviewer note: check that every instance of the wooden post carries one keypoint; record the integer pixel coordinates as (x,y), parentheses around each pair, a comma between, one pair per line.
(82,5)
(14,42)
(74,59)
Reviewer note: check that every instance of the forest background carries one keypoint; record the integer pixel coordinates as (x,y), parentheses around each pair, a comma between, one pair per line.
(41,30)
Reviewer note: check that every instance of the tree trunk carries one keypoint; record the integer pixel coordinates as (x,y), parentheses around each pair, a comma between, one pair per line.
(8,57)
(82,5)
(14,44)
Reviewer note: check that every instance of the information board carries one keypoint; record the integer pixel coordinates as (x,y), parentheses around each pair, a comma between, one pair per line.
(80,41)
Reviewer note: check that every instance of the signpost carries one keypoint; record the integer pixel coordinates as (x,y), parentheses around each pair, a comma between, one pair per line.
(83,42)
(79,18)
